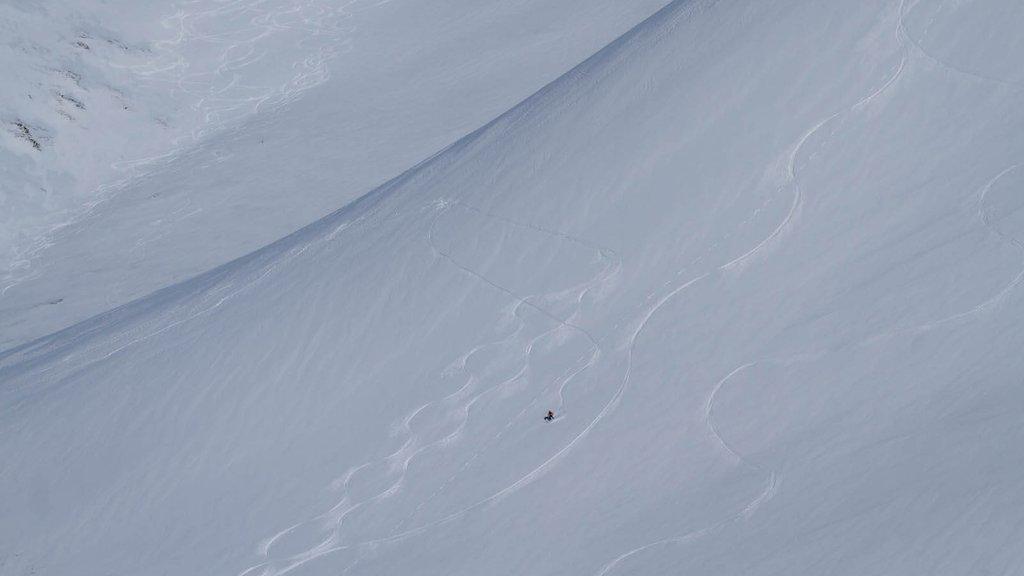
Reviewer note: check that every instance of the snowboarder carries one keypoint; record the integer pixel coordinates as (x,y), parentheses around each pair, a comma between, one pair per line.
(550,416)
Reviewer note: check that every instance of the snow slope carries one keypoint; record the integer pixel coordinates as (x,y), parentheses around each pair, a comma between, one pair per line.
(347,93)
(762,259)
(97,91)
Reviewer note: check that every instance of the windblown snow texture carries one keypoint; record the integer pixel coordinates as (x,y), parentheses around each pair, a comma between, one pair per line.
(762,259)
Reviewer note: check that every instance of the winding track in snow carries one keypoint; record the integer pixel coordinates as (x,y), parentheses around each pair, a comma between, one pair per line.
(943,64)
(904,39)
(771,483)
(400,460)
(993,301)
(737,265)
(982,216)
(734,265)
(408,451)
(611,268)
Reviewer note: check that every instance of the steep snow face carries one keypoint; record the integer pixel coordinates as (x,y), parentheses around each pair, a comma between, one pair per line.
(233,159)
(762,259)
(95,92)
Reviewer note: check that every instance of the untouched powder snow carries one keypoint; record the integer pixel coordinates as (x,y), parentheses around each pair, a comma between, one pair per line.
(762,259)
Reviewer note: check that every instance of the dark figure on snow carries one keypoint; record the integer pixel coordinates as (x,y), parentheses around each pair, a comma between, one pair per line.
(550,416)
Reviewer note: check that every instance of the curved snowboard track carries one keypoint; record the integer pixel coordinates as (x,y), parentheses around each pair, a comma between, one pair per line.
(737,265)
(1015,86)
(992,302)
(772,481)
(334,518)
(388,498)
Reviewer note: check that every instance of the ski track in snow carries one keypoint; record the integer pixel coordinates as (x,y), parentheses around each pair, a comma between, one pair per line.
(333,519)
(709,421)
(412,447)
(990,303)
(771,483)
(943,64)
(736,265)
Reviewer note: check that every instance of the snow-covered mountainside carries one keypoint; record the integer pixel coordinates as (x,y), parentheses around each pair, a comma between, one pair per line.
(246,120)
(94,91)
(763,260)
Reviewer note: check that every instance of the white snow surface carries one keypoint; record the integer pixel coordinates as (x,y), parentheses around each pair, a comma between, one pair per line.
(211,128)
(94,92)
(762,259)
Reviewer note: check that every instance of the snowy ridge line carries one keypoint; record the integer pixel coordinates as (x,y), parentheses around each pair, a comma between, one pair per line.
(320,232)
(408,451)
(943,64)
(267,270)
(738,264)
(225,100)
(218,284)
(436,161)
